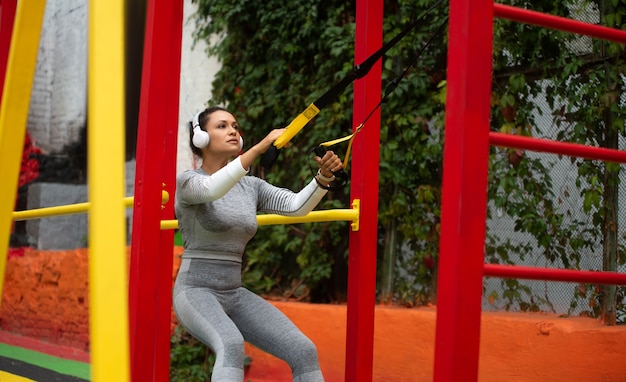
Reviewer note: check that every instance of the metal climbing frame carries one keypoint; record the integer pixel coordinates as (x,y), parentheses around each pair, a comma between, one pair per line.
(151,260)
(466,151)
(20,29)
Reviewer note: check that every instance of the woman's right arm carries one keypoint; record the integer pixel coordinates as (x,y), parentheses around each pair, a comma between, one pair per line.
(195,188)
(248,158)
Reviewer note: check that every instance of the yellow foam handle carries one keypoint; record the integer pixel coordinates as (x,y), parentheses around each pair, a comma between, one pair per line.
(296,125)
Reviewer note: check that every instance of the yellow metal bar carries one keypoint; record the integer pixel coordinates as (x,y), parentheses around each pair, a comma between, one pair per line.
(14,110)
(108,273)
(313,217)
(68,209)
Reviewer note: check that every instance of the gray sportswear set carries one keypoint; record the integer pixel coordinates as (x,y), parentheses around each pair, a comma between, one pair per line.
(217,217)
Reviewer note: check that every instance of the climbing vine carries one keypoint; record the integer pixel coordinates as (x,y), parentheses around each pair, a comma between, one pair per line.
(277,57)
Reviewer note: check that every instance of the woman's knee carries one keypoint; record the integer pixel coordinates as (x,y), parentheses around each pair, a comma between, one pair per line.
(305,350)
(232,347)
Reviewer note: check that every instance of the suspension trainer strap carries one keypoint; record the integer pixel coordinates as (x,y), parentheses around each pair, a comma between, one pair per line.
(269,158)
(389,89)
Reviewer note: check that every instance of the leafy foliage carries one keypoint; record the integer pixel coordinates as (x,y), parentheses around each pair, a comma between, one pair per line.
(278,57)
(190,360)
(582,81)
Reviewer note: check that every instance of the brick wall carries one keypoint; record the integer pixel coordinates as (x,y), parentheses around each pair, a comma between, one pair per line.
(46,296)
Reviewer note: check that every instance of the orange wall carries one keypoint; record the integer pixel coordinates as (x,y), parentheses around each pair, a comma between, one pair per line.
(45,297)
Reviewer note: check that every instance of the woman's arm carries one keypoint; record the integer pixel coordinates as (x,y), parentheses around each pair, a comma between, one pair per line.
(281,201)
(195,188)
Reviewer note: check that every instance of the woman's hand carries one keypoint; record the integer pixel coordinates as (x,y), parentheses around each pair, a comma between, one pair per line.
(269,139)
(328,164)
(248,158)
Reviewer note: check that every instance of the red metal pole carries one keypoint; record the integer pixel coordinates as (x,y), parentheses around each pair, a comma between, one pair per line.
(7,18)
(537,273)
(464,194)
(166,248)
(557,22)
(151,258)
(556,147)
(364,186)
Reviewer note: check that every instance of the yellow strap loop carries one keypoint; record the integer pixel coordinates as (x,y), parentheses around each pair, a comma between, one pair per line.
(339,140)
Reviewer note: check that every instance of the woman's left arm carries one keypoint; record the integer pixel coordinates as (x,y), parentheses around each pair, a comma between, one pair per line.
(285,202)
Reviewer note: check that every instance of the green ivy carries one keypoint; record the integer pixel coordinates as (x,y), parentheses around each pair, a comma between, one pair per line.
(277,57)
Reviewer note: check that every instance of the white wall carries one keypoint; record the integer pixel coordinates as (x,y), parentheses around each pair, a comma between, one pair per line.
(59,96)
(196,76)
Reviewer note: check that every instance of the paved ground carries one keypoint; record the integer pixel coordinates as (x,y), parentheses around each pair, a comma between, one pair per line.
(23,365)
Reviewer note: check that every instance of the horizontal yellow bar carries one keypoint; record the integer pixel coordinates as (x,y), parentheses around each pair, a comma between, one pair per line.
(69,209)
(314,216)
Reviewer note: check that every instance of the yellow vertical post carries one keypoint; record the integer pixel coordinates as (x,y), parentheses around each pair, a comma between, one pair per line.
(110,360)
(14,110)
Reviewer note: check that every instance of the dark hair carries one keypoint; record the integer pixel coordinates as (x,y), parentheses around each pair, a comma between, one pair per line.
(203,119)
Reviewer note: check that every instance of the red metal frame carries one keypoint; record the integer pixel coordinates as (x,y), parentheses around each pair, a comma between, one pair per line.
(538,273)
(556,22)
(555,147)
(364,186)
(7,19)
(467,137)
(461,266)
(464,195)
(151,250)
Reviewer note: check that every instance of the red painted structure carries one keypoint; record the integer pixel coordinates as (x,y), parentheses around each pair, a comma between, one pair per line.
(467,140)
(7,18)
(151,251)
(467,137)
(364,186)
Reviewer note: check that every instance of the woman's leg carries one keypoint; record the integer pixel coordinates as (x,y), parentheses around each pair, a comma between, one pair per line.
(203,316)
(267,328)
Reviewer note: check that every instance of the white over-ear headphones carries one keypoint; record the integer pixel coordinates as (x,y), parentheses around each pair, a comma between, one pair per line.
(201,138)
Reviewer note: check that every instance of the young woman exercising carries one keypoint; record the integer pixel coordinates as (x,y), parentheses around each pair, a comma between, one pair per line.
(216,206)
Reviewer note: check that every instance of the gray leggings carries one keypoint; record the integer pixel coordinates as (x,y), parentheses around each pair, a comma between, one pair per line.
(213,307)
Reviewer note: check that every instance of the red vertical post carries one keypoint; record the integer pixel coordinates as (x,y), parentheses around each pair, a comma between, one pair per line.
(7,18)
(464,197)
(164,301)
(364,186)
(151,259)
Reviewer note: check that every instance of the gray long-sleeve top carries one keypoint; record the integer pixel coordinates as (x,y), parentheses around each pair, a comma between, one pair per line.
(217,213)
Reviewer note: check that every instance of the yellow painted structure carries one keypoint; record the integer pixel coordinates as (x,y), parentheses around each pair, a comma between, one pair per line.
(108,273)
(8,377)
(312,217)
(14,110)
(69,209)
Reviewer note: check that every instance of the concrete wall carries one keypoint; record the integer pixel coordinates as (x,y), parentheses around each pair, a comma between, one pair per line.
(59,95)
(57,111)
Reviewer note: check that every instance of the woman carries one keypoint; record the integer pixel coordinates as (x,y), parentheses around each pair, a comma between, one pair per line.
(216,206)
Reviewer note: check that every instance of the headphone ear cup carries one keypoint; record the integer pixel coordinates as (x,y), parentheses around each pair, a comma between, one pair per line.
(240,143)
(201,138)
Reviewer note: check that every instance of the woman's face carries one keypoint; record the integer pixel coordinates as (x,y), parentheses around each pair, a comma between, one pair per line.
(224,132)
